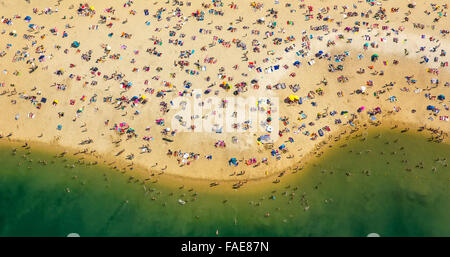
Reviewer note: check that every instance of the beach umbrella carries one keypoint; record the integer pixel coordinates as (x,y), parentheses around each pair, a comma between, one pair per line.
(441,97)
(374,57)
(75,44)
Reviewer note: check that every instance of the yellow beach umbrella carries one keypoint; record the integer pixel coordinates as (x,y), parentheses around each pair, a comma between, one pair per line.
(293,98)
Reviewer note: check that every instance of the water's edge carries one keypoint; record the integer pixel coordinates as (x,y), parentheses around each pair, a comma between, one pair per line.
(402,192)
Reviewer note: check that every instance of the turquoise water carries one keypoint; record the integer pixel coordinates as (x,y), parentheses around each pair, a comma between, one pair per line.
(376,196)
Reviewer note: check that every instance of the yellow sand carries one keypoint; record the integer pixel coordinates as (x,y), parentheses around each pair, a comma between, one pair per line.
(91,122)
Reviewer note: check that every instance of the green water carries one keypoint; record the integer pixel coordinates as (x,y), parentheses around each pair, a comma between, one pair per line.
(391,201)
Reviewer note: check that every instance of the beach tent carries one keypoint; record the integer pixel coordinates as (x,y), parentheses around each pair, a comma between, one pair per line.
(431,108)
(27,19)
(75,44)
(441,97)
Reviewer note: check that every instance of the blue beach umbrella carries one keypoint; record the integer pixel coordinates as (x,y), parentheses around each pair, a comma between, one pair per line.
(75,44)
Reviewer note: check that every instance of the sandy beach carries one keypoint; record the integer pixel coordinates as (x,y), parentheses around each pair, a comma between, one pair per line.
(103,78)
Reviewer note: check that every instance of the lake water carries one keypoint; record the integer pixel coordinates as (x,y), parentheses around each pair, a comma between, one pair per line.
(378,195)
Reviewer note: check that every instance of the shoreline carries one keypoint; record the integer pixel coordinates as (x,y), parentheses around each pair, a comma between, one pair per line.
(109,200)
(173,181)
